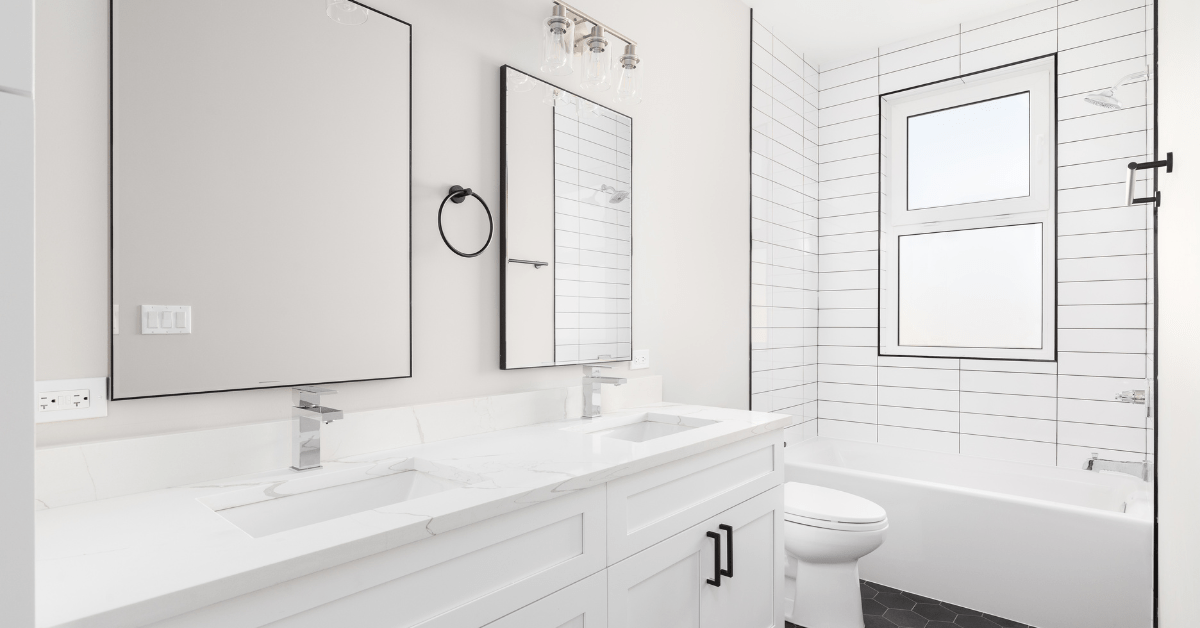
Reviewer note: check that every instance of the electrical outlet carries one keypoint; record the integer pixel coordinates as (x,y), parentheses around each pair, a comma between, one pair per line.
(66,399)
(641,360)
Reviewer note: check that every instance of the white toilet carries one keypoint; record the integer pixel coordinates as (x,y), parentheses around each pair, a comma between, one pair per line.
(825,533)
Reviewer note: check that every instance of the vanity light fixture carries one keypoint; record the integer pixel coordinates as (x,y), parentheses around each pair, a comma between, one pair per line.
(346,13)
(518,82)
(598,71)
(627,77)
(558,43)
(595,61)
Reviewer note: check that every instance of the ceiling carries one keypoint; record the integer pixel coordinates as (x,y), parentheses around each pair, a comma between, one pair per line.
(828,30)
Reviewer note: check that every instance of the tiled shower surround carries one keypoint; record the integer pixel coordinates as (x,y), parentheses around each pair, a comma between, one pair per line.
(1041,412)
(783,284)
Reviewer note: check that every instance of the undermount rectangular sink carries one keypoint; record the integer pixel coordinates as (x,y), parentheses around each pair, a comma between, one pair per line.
(278,507)
(648,426)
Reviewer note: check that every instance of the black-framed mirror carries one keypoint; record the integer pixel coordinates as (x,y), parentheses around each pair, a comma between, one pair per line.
(261,195)
(565,227)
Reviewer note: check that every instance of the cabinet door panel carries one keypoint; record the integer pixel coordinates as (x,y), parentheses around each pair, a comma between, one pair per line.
(666,585)
(581,605)
(660,586)
(753,597)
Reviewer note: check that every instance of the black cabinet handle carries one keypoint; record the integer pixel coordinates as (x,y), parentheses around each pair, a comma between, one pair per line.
(728,549)
(716,537)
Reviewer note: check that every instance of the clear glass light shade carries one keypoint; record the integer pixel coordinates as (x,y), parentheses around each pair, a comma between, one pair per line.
(558,45)
(596,64)
(518,82)
(346,13)
(628,88)
(588,108)
(555,97)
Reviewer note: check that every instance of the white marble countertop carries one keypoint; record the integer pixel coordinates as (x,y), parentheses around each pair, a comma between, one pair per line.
(136,559)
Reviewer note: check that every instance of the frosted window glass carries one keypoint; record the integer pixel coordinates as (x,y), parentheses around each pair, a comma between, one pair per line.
(972,288)
(968,154)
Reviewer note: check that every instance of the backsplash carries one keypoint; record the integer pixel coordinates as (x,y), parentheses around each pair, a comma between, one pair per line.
(1045,413)
(82,473)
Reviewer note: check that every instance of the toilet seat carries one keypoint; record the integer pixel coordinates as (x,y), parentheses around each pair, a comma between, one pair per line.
(822,507)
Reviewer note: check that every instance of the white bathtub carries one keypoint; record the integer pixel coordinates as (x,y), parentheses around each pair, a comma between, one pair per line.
(1045,546)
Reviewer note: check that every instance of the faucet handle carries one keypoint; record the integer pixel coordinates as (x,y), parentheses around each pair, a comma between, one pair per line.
(310,395)
(592,370)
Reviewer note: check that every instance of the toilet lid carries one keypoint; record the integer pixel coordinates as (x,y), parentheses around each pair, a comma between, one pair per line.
(826,504)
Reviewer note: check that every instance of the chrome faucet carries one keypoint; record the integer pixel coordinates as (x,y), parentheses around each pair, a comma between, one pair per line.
(307,416)
(1143,469)
(591,388)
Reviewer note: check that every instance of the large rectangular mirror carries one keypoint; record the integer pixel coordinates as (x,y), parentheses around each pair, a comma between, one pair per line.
(260,195)
(566,227)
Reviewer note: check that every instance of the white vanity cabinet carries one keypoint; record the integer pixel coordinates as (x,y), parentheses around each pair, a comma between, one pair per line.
(675,583)
(636,552)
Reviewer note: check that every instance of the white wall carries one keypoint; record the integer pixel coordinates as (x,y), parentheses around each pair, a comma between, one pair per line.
(16,312)
(1045,413)
(1179,275)
(690,232)
(783,232)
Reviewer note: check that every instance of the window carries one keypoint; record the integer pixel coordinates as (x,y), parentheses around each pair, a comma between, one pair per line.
(967,228)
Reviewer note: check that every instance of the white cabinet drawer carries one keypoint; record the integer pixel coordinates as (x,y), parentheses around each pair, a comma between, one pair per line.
(465,577)
(648,507)
(581,605)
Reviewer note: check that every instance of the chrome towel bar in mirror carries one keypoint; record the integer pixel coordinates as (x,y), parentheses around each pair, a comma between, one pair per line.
(526,261)
(457,195)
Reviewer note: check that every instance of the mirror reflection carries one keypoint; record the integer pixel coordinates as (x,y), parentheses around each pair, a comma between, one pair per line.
(566,224)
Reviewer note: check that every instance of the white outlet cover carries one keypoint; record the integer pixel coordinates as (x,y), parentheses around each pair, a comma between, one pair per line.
(97,388)
(641,360)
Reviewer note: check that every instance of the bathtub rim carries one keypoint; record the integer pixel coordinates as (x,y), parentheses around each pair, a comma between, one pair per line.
(789,460)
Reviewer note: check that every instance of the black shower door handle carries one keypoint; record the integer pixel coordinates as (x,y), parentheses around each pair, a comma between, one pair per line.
(716,537)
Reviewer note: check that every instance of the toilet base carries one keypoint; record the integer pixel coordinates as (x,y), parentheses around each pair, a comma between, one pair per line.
(827,596)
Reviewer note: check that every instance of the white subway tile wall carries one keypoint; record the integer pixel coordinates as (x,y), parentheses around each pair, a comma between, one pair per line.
(592,161)
(784,176)
(1044,413)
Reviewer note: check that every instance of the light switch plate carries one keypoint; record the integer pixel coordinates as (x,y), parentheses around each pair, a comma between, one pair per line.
(641,360)
(165,319)
(68,399)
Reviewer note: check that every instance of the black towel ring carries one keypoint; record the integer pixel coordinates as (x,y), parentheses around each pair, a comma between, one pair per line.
(457,195)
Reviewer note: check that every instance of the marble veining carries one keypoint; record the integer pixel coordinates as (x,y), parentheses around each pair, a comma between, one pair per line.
(140,558)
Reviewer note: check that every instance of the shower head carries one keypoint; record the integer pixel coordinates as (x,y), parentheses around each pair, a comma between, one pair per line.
(1108,98)
(616,196)
(1104,99)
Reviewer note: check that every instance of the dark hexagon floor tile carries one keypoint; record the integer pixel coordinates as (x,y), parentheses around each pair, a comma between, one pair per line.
(940,624)
(1005,623)
(866,590)
(877,621)
(975,621)
(935,611)
(873,607)
(905,619)
(894,600)
(961,610)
